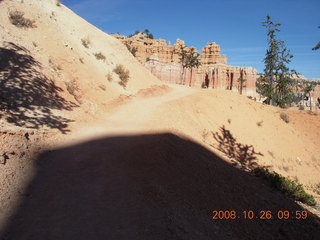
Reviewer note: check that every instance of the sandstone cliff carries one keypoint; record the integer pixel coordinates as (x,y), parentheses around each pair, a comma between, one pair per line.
(162,60)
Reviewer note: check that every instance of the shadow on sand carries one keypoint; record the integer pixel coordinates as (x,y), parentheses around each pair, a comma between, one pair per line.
(27,97)
(147,187)
(243,153)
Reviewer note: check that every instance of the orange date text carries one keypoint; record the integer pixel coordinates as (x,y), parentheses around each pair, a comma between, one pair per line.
(262,214)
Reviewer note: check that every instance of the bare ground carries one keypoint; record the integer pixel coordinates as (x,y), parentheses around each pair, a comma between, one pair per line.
(123,177)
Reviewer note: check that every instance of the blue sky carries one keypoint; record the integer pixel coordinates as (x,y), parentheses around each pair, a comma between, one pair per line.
(233,24)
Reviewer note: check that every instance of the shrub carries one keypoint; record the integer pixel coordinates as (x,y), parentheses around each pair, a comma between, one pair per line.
(290,188)
(73,89)
(85,42)
(58,3)
(301,107)
(203,85)
(55,67)
(284,117)
(131,49)
(204,135)
(135,33)
(109,77)
(259,124)
(316,188)
(312,113)
(100,56)
(123,75)
(102,87)
(17,18)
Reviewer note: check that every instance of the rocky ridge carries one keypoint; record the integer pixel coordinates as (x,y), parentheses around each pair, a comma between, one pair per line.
(162,60)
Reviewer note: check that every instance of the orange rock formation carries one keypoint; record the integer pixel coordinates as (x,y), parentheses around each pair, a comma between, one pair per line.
(162,60)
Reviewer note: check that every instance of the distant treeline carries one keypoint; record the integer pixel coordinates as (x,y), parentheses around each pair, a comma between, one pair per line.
(146,32)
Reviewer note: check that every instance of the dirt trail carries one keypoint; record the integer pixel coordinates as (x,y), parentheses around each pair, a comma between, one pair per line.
(130,118)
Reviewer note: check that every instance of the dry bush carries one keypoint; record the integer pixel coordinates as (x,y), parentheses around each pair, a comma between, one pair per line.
(109,77)
(17,18)
(259,124)
(131,49)
(316,188)
(85,42)
(123,74)
(285,117)
(312,113)
(73,89)
(100,56)
(204,135)
(55,67)
(102,87)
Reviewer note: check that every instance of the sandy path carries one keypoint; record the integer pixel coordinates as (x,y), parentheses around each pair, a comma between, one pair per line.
(133,117)
(136,115)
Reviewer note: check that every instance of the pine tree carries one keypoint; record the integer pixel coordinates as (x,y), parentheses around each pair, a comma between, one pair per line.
(148,34)
(183,60)
(318,44)
(192,61)
(189,60)
(276,84)
(307,89)
(242,84)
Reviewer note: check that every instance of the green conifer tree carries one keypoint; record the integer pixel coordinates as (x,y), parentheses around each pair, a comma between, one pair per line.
(318,44)
(276,84)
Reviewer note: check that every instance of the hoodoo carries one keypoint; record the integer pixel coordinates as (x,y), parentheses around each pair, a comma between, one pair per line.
(163,60)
